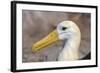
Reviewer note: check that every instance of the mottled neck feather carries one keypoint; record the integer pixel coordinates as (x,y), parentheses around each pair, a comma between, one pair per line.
(71,49)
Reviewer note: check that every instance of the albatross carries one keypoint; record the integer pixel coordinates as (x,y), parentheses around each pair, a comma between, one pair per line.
(67,31)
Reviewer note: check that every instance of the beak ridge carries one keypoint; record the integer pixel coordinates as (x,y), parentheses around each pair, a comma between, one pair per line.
(46,41)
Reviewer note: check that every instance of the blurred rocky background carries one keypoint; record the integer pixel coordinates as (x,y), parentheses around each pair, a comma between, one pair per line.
(38,24)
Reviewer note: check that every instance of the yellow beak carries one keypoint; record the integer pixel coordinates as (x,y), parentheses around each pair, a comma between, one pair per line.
(48,40)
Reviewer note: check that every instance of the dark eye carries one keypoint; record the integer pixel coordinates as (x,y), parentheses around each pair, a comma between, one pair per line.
(64,28)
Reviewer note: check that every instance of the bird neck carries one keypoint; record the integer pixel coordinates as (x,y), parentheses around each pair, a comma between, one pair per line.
(71,49)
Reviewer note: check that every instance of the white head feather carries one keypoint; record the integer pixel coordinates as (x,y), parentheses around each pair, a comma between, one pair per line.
(69,31)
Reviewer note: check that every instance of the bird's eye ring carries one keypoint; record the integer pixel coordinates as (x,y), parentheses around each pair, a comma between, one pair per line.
(64,28)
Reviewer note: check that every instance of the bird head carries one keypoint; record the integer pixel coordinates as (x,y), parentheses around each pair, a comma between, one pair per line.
(65,30)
